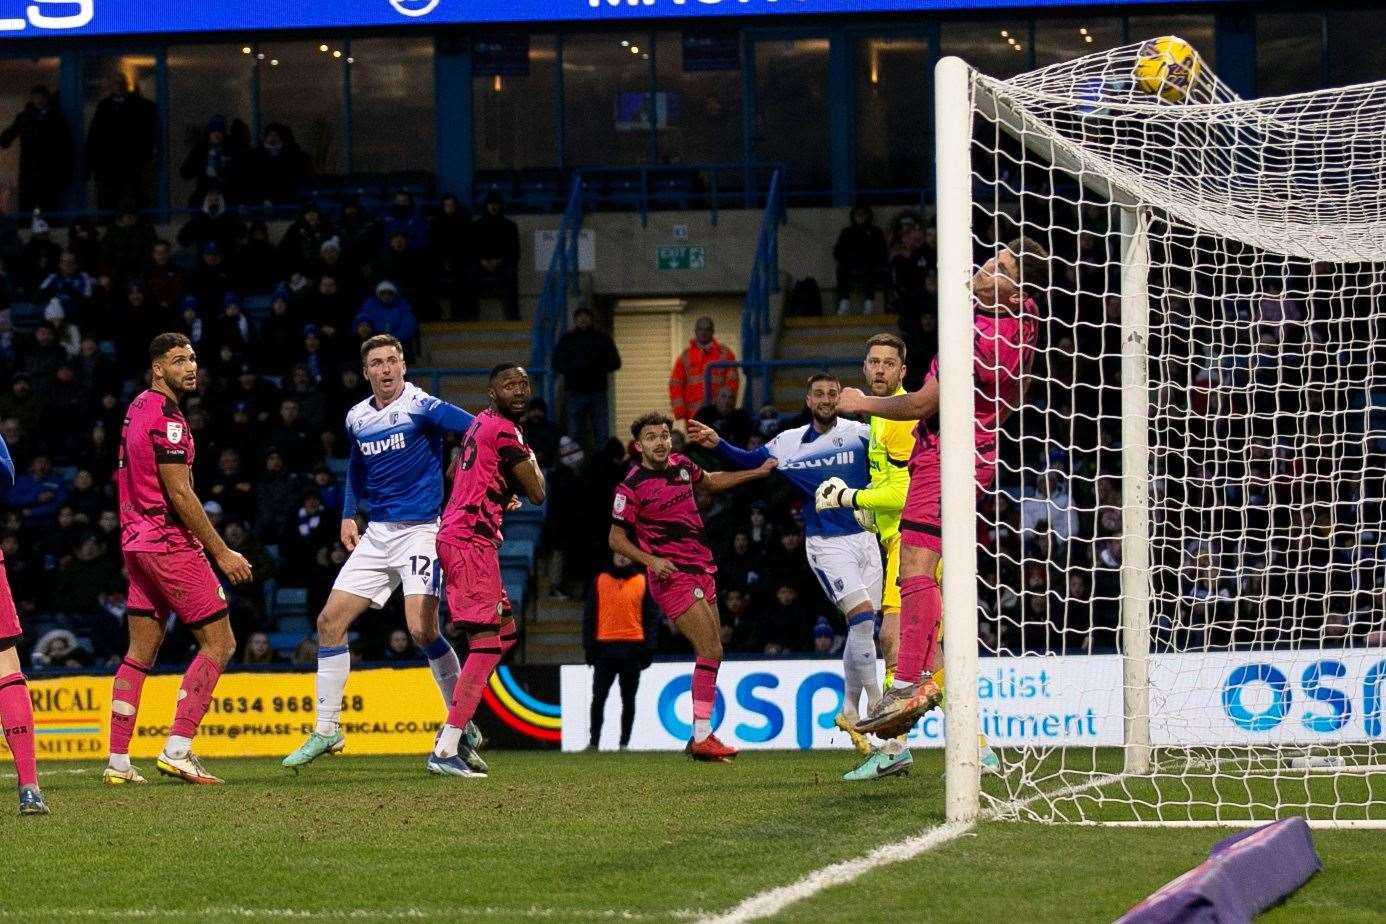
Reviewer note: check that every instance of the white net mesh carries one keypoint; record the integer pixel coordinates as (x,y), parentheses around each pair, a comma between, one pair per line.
(1265,228)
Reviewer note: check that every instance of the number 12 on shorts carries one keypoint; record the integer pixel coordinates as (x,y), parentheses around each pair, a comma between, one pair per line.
(422,565)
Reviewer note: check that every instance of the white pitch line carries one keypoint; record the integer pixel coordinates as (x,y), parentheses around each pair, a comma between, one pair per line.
(773,901)
(764,904)
(43,773)
(350,914)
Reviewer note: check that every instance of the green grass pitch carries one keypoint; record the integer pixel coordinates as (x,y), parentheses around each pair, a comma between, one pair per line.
(584,837)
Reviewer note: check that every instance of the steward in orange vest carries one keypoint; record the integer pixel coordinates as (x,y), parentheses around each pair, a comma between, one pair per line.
(620,632)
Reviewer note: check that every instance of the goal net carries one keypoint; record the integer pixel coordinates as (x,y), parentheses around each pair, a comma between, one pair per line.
(1178,593)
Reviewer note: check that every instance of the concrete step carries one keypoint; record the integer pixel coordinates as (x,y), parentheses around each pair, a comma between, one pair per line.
(537,635)
(557,612)
(537,653)
(558,626)
(475,344)
(810,338)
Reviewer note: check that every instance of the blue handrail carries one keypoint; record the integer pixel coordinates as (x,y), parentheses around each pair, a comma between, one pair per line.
(766,368)
(764,282)
(561,280)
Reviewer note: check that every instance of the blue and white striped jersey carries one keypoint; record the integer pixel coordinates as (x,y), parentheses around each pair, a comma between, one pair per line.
(397,455)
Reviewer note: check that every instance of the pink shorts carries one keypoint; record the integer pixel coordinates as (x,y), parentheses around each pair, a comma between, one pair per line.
(10,631)
(472,582)
(677,593)
(921,521)
(178,582)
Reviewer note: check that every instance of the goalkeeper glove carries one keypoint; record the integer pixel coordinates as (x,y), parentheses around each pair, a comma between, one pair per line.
(834,493)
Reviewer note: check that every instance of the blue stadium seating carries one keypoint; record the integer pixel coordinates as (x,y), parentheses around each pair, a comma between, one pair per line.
(290,601)
(516,552)
(285,642)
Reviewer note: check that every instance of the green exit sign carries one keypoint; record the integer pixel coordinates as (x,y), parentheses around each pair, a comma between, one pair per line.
(682,257)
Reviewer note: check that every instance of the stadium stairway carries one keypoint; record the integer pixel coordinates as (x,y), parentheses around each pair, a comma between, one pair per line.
(815,338)
(472,345)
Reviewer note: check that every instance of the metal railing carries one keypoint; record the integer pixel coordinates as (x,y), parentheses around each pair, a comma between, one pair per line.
(764,282)
(681,187)
(765,370)
(561,280)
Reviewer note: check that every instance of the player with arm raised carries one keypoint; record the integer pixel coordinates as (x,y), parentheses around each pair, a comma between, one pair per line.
(843,555)
(163,533)
(16,709)
(494,465)
(1004,342)
(655,522)
(396,444)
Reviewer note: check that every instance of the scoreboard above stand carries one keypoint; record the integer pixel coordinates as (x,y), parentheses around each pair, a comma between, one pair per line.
(56,18)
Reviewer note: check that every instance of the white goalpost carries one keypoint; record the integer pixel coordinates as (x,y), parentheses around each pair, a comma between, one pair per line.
(1169,607)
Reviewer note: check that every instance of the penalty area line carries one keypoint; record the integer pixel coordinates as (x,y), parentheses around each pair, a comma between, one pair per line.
(772,901)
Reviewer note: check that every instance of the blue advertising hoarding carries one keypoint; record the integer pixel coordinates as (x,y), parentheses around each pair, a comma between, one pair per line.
(59,18)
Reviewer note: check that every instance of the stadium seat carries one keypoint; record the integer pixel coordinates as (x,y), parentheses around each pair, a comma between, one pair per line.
(285,642)
(290,601)
(295,624)
(517,553)
(338,466)
(524,531)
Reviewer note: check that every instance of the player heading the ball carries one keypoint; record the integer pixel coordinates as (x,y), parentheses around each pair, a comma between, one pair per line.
(1006,328)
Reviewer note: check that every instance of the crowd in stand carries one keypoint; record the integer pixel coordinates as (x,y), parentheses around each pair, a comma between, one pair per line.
(275,317)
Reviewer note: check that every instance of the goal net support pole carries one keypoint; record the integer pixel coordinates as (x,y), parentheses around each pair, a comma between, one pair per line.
(953,98)
(1135,488)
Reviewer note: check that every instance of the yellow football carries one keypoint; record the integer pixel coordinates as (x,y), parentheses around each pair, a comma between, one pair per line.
(1167,67)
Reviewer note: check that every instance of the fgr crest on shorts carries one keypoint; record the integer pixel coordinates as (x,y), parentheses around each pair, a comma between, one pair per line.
(392,555)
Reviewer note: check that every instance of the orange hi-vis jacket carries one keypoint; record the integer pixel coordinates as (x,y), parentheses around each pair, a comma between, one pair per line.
(686,380)
(620,608)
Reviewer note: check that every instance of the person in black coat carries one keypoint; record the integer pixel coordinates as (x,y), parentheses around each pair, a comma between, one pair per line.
(45,152)
(213,225)
(214,162)
(121,143)
(585,357)
(276,168)
(860,253)
(449,242)
(496,255)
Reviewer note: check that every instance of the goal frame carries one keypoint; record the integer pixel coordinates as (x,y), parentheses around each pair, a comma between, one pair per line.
(956,97)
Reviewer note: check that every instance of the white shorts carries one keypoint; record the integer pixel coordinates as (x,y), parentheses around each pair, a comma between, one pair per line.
(848,568)
(391,555)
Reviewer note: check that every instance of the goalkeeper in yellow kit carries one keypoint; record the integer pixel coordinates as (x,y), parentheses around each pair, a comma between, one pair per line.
(892,443)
